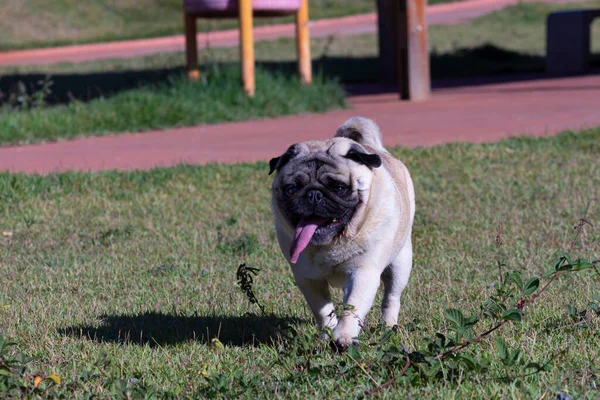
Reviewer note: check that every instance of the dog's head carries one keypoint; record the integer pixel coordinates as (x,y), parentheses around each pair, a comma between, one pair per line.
(318,187)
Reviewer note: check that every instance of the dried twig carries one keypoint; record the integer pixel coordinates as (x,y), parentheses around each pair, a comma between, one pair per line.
(391,381)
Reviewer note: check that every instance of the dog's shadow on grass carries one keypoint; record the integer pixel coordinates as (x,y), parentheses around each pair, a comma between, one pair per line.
(158,329)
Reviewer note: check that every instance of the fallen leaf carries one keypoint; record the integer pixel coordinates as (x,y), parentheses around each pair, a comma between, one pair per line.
(37,381)
(54,378)
(7,233)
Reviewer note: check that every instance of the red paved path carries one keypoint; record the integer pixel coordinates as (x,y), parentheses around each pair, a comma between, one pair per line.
(439,14)
(470,113)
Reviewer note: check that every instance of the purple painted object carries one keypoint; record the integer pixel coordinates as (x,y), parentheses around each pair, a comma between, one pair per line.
(229,8)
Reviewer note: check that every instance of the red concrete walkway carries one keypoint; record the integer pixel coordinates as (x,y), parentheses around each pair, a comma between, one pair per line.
(474,113)
(439,14)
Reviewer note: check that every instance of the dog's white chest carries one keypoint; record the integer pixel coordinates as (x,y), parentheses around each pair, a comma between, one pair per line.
(335,256)
(327,263)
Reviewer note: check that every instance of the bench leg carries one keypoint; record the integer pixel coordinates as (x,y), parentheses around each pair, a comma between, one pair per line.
(567,43)
(303,44)
(191,47)
(247,47)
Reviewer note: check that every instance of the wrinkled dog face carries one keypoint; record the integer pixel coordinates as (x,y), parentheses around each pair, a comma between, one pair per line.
(318,187)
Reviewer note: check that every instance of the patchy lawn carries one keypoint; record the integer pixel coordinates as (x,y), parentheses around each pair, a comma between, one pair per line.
(124,283)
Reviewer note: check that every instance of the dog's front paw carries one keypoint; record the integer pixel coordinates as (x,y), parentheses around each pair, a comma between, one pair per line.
(342,342)
(345,342)
(345,334)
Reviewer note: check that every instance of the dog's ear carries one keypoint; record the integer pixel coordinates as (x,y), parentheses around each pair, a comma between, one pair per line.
(360,155)
(278,162)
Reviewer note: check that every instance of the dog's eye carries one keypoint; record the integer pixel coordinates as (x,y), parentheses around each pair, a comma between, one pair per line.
(340,190)
(290,190)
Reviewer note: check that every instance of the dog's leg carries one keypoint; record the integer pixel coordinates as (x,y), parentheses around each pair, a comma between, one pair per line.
(318,297)
(395,277)
(359,293)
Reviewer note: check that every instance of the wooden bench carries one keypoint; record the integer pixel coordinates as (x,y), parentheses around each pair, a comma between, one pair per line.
(568,41)
(245,10)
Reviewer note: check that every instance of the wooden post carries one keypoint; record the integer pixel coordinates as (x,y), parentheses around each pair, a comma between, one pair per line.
(418,81)
(191,47)
(303,43)
(403,47)
(247,46)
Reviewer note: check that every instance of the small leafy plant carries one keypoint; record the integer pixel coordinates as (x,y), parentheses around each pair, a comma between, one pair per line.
(24,98)
(444,356)
(245,280)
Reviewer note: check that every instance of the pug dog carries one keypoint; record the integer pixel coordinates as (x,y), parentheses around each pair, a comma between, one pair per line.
(343,211)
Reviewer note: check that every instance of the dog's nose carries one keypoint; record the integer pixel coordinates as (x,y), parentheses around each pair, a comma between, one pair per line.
(314,197)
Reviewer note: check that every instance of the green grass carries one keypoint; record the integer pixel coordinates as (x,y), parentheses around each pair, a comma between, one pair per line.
(121,280)
(508,41)
(519,28)
(174,103)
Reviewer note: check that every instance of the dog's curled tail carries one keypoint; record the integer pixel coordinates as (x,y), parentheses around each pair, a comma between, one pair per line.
(363,131)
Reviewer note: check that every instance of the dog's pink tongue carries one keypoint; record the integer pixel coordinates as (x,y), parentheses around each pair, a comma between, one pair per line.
(304,232)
